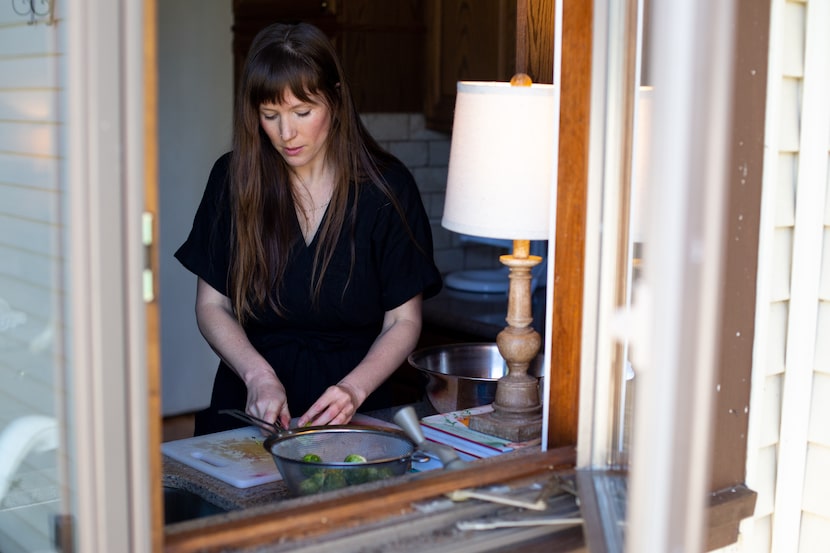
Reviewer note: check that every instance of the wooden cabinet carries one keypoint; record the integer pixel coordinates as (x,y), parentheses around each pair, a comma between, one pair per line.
(380,43)
(466,40)
(406,55)
(483,40)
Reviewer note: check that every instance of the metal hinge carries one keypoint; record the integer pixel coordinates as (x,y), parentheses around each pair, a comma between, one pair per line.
(64,533)
(147,283)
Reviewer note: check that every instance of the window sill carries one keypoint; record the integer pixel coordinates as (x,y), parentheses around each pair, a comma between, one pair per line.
(306,519)
(603,496)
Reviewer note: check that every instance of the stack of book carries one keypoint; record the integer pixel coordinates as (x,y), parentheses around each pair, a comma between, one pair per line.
(453,429)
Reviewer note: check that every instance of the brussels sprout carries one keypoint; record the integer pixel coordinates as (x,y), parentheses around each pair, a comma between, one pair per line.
(354,458)
(357,475)
(370,474)
(313,484)
(310,458)
(334,480)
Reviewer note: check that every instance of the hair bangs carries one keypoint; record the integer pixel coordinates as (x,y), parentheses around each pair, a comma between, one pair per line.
(281,72)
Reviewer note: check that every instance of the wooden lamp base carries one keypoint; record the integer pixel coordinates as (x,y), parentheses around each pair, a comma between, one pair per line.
(517,413)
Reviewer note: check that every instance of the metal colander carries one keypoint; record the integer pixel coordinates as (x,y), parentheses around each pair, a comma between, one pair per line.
(387,452)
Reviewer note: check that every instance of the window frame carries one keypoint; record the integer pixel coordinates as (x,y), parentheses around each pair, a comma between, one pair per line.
(563,330)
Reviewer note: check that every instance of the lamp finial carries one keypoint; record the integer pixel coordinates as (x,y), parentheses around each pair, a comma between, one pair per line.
(521,79)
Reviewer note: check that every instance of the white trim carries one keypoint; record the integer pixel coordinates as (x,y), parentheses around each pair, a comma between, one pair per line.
(588,356)
(682,269)
(105,328)
(596,399)
(804,282)
(551,253)
(137,392)
(766,258)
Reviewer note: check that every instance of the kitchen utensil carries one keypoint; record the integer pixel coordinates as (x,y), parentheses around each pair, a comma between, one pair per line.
(464,375)
(387,452)
(270,427)
(408,420)
(504,523)
(500,498)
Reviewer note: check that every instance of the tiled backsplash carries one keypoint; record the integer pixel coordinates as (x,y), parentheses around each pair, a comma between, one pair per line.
(427,155)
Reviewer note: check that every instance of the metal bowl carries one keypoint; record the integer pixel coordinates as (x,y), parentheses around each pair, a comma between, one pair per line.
(387,452)
(464,375)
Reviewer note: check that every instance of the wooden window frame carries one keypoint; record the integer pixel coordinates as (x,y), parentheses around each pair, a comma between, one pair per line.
(564,326)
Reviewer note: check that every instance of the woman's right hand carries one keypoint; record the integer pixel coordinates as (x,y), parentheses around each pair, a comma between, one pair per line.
(266,394)
(267,399)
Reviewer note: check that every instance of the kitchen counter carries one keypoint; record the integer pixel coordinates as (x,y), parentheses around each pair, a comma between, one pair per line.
(178,475)
(223,495)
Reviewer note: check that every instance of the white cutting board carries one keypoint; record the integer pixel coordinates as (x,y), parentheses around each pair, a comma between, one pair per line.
(236,457)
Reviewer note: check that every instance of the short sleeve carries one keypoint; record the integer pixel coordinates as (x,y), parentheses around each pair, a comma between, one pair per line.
(405,249)
(206,252)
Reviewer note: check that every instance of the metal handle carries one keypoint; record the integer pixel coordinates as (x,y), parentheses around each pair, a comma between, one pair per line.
(265,425)
(408,420)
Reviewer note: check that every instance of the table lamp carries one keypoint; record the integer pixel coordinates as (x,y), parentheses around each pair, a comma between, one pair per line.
(501,177)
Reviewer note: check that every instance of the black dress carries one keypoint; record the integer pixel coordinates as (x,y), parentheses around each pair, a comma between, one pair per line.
(313,347)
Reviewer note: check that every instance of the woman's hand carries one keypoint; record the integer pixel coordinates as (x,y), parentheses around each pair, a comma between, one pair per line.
(267,399)
(397,338)
(337,405)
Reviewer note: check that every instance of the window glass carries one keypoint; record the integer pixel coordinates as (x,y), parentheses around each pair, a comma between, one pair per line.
(32,300)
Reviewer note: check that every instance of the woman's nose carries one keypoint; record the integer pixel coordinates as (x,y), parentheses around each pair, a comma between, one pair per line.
(287,130)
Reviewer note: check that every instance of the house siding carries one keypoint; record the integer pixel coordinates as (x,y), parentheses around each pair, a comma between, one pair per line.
(789,437)
(31,261)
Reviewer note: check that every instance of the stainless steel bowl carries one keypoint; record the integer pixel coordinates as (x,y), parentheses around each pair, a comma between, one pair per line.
(463,375)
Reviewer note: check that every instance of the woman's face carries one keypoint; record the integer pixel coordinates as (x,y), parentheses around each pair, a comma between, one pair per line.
(298,130)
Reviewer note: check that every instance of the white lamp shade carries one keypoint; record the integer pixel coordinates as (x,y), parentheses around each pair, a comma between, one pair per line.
(502,161)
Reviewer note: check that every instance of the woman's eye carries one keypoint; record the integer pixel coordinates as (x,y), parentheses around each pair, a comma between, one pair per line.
(269,116)
(303,113)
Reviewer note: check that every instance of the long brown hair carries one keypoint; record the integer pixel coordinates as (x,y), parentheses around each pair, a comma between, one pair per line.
(298,58)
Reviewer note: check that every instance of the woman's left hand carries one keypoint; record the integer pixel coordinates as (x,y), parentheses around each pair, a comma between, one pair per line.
(398,336)
(337,405)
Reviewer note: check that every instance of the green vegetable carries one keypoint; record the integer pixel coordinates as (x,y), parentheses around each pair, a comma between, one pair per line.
(310,458)
(313,484)
(322,479)
(375,473)
(357,475)
(334,480)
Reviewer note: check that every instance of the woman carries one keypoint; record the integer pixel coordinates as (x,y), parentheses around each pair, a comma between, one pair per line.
(311,245)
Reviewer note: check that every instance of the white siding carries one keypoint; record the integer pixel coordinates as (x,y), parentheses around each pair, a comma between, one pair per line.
(788,461)
(30,220)
(31,289)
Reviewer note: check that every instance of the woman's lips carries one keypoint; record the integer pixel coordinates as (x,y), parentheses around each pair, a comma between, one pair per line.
(292,151)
